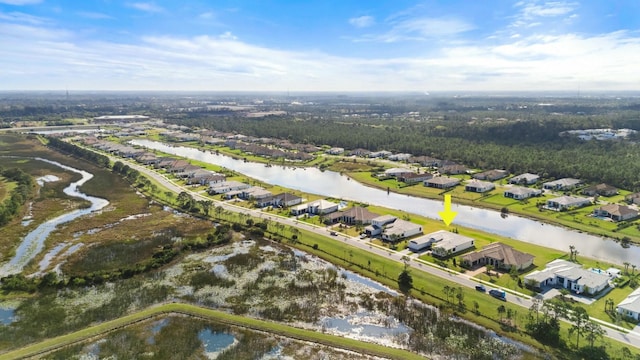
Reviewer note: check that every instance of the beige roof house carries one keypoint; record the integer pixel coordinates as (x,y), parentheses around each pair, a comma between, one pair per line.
(499,255)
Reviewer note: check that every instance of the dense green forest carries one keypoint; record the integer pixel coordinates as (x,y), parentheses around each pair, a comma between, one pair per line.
(517,145)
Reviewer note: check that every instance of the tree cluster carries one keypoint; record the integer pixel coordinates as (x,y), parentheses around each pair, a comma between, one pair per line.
(75,150)
(19,194)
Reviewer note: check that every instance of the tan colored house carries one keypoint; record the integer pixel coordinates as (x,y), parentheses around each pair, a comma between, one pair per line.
(499,255)
(616,212)
(600,189)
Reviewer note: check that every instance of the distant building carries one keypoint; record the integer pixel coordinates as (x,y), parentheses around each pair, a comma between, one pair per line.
(119,118)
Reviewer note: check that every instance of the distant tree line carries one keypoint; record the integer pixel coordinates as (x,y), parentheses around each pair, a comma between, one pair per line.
(75,150)
(518,146)
(19,194)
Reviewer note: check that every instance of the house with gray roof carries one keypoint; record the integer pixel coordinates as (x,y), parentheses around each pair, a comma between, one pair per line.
(491,175)
(561,184)
(442,182)
(521,193)
(479,186)
(630,306)
(568,275)
(524,179)
(446,243)
(400,229)
(616,212)
(566,202)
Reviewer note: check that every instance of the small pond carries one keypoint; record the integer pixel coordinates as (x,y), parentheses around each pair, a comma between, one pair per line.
(215,342)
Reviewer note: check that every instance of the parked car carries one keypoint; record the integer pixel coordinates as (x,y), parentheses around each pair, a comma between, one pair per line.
(333,233)
(481,288)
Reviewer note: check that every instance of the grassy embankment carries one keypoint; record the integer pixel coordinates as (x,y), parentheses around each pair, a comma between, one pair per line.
(211,315)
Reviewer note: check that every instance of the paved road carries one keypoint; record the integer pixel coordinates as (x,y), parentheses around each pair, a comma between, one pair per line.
(627,338)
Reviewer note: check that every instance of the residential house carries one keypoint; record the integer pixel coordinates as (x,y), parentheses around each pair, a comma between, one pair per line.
(633,198)
(600,189)
(227,186)
(426,161)
(205,178)
(568,275)
(178,166)
(616,212)
(566,202)
(379,154)
(318,207)
(400,229)
(188,171)
(561,184)
(421,243)
(442,182)
(356,215)
(335,151)
(399,157)
(359,152)
(164,163)
(446,243)
(378,223)
(521,193)
(255,193)
(524,179)
(499,255)
(453,169)
(413,178)
(479,186)
(396,172)
(286,200)
(491,175)
(630,306)
(147,158)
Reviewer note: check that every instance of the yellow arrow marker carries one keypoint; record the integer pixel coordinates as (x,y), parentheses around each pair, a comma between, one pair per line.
(447,215)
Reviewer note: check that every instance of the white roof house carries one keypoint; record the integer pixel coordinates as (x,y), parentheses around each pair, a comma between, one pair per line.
(446,243)
(521,193)
(526,179)
(568,275)
(400,229)
(566,202)
(479,186)
(226,186)
(396,171)
(630,306)
(562,184)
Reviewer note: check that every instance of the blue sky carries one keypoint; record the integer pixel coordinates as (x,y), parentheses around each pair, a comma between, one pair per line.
(315,45)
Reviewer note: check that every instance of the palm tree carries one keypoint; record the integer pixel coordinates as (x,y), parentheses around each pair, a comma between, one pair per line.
(626,267)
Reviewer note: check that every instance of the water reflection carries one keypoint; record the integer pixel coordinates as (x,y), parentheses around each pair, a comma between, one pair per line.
(333,184)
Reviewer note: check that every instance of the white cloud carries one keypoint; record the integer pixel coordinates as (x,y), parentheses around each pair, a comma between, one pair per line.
(146,7)
(207,15)
(20,2)
(420,28)
(23,18)
(43,58)
(547,9)
(362,21)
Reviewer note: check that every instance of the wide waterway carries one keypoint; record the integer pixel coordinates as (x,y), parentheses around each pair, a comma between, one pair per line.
(33,242)
(336,185)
